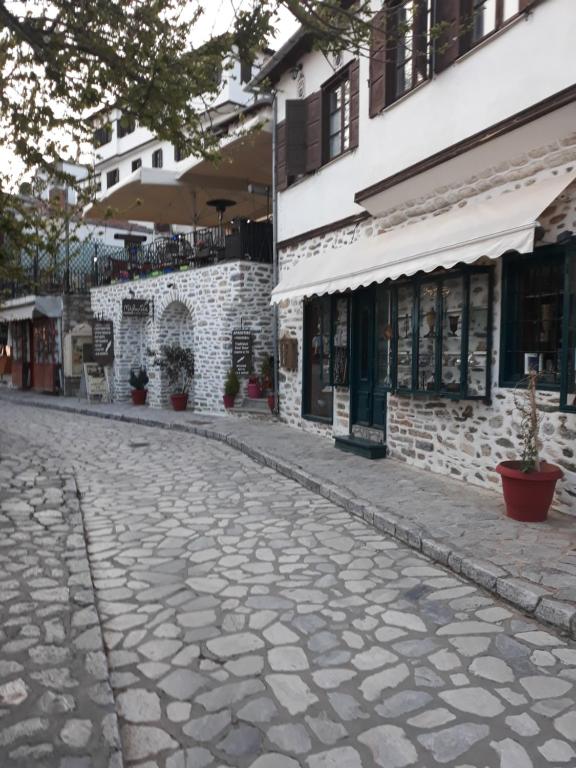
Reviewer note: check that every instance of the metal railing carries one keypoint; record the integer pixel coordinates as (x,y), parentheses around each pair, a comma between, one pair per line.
(250,241)
(91,264)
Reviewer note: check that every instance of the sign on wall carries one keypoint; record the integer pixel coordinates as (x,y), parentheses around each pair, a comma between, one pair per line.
(135,308)
(103,341)
(242,352)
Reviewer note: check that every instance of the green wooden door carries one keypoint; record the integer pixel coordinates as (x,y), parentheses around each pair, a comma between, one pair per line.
(371,335)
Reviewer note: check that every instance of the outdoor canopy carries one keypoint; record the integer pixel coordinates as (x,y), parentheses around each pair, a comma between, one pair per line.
(30,307)
(462,235)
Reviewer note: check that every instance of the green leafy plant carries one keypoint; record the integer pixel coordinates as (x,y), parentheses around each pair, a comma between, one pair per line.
(232,383)
(139,378)
(178,365)
(527,407)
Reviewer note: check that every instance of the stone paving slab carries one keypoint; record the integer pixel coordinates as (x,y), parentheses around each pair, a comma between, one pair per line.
(252,623)
(56,703)
(464,528)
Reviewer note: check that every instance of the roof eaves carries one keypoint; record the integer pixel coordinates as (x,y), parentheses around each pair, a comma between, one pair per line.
(299,43)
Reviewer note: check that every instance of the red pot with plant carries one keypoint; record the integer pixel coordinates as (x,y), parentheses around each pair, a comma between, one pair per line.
(138,380)
(179,401)
(253,390)
(177,363)
(528,484)
(231,388)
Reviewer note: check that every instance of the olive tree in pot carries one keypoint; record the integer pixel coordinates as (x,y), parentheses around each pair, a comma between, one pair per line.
(528,484)
(231,388)
(138,380)
(178,365)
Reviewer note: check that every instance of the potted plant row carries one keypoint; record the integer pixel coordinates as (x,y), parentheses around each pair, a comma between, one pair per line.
(178,364)
(138,380)
(528,484)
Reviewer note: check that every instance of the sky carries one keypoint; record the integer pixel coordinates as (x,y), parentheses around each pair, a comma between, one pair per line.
(218,17)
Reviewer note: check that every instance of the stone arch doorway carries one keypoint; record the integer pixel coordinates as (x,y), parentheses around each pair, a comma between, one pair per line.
(174,326)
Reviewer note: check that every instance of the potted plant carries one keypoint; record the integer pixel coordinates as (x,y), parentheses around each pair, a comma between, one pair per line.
(231,388)
(138,380)
(178,364)
(528,484)
(253,390)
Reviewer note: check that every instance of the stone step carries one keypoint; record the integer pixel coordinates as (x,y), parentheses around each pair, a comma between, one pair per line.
(361,447)
(250,406)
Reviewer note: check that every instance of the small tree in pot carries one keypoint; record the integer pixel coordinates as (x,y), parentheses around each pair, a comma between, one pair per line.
(138,380)
(528,484)
(178,364)
(231,388)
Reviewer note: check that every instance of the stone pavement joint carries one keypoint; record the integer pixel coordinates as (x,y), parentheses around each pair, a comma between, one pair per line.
(56,703)
(552,602)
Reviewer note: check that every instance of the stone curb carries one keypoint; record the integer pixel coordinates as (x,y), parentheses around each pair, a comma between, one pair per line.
(521,593)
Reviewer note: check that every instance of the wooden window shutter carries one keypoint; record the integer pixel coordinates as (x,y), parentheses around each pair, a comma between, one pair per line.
(296,130)
(314,132)
(281,174)
(447,45)
(354,102)
(524,4)
(378,63)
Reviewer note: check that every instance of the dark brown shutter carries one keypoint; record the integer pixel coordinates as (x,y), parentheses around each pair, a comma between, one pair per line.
(378,63)
(281,174)
(296,129)
(447,45)
(354,102)
(314,132)
(524,4)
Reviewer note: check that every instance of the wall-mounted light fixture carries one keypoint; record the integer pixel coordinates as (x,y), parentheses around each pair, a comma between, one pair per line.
(295,71)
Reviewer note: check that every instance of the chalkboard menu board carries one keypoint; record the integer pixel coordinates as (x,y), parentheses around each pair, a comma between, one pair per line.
(135,308)
(242,352)
(103,342)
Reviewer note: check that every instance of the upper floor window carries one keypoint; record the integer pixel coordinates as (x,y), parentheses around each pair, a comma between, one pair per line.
(245,70)
(157,159)
(102,135)
(337,109)
(179,154)
(112,178)
(125,126)
(409,24)
(485,17)
(136,164)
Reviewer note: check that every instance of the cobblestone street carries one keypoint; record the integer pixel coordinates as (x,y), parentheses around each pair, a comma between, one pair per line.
(247,622)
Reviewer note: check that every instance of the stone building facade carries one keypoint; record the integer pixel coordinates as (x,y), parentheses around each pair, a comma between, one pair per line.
(198,309)
(461,438)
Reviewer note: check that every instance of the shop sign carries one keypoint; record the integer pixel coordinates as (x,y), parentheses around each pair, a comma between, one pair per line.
(242,352)
(103,342)
(135,308)
(97,383)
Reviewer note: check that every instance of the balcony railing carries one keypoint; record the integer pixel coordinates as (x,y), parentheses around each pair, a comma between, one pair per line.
(250,241)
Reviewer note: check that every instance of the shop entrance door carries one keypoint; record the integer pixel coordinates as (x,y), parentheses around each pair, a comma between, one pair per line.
(371,336)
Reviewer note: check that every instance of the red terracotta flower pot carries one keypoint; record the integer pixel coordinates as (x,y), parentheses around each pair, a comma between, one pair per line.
(528,495)
(229,401)
(179,402)
(139,396)
(253,390)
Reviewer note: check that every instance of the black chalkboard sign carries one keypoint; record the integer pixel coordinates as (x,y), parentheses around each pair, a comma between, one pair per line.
(135,308)
(103,342)
(242,352)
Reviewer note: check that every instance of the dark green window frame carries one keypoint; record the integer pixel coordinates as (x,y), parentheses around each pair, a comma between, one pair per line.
(337,308)
(434,385)
(512,264)
(568,370)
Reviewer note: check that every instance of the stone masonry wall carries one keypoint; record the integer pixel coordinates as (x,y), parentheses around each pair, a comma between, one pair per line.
(199,309)
(464,439)
(76,310)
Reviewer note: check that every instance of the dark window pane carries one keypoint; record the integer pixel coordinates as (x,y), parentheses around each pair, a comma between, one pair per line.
(478,323)
(452,311)
(404,363)
(384,334)
(318,390)
(427,326)
(136,164)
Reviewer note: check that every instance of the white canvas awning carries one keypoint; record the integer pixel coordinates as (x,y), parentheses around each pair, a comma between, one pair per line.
(463,235)
(30,307)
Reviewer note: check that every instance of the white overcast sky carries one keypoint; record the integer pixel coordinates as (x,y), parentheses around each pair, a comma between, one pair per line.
(217,18)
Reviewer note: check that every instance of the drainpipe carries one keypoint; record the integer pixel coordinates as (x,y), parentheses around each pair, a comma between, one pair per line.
(275,252)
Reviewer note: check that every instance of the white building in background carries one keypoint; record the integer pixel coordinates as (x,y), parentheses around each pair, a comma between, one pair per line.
(427,233)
